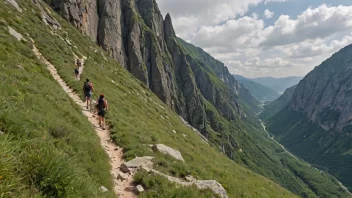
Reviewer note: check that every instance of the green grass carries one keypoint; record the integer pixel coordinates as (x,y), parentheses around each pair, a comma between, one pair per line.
(50,149)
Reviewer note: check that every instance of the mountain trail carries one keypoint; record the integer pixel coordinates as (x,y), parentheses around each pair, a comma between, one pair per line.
(81,68)
(114,152)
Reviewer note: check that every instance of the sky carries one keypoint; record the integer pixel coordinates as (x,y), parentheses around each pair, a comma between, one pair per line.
(259,38)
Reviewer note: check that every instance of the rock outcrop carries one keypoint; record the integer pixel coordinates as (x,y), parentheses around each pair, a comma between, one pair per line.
(167,150)
(325,94)
(14,4)
(317,123)
(213,185)
(136,35)
(136,164)
(15,34)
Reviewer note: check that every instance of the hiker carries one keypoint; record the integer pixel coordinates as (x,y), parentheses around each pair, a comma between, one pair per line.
(76,73)
(88,89)
(78,62)
(102,109)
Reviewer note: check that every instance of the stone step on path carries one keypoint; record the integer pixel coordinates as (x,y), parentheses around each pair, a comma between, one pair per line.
(114,152)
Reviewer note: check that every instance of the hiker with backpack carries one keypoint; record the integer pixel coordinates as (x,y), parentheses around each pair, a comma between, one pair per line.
(76,73)
(78,63)
(88,89)
(102,109)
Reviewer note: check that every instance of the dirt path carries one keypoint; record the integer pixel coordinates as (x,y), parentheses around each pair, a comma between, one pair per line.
(115,153)
(81,68)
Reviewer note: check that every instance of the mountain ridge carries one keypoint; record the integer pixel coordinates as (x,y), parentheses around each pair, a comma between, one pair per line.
(260,92)
(277,105)
(315,125)
(278,84)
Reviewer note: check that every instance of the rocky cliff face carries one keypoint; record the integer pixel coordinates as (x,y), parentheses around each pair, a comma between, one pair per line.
(325,94)
(136,35)
(317,123)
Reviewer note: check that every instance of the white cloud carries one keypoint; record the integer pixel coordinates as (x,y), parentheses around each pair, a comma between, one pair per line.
(268,14)
(199,13)
(269,1)
(320,22)
(293,45)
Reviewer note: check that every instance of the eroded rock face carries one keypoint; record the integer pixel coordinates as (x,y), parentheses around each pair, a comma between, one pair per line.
(325,94)
(135,33)
(110,32)
(81,13)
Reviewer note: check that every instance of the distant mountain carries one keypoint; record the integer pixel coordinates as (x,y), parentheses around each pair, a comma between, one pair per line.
(317,124)
(260,92)
(276,106)
(278,84)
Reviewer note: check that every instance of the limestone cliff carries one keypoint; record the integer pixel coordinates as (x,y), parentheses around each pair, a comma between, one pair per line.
(136,35)
(325,94)
(317,123)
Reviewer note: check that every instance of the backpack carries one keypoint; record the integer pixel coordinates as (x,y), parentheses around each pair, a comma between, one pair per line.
(101,103)
(87,87)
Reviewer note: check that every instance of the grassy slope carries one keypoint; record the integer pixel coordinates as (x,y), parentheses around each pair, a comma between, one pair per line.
(49,147)
(62,139)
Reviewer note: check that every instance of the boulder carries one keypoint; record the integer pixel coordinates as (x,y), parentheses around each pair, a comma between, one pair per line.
(139,189)
(213,185)
(169,151)
(121,176)
(15,34)
(190,178)
(20,67)
(103,189)
(137,163)
(14,4)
